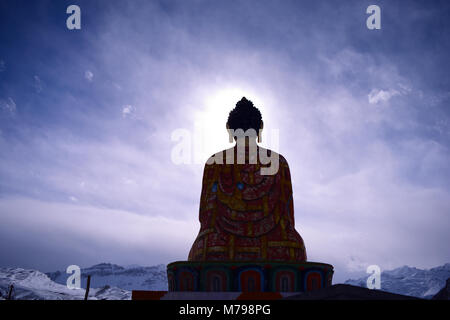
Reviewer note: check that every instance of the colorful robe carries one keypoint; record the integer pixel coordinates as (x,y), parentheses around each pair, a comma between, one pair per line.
(246,216)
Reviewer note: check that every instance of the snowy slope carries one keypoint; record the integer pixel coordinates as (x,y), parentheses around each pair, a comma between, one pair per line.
(113,282)
(128,278)
(411,281)
(35,285)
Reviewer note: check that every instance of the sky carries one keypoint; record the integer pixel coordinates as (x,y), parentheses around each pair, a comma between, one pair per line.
(90,121)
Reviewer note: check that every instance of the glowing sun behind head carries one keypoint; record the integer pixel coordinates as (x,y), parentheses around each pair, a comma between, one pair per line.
(211,119)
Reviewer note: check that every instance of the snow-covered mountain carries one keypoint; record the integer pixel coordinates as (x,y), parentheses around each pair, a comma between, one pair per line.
(35,285)
(129,278)
(411,281)
(113,282)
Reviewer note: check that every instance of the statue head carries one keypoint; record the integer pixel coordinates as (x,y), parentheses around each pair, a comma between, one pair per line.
(243,117)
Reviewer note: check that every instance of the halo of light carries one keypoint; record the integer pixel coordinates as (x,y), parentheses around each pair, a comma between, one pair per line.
(210,121)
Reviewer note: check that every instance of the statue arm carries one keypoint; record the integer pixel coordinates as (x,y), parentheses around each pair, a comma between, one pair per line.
(287,185)
(204,196)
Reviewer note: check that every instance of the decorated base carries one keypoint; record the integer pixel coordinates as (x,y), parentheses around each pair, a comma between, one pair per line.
(247,276)
(208,295)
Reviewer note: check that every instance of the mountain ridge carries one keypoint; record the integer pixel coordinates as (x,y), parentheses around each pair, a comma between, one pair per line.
(30,284)
(112,281)
(128,278)
(410,281)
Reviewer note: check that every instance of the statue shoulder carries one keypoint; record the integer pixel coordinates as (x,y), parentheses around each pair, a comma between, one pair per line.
(270,153)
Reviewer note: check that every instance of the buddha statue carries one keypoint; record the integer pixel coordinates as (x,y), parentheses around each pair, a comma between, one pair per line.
(247,240)
(246,215)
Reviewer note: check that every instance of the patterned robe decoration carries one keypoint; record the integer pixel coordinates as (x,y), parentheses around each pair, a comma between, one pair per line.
(246,216)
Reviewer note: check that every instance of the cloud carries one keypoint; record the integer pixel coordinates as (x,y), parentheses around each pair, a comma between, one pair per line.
(346,62)
(437,99)
(442,126)
(128,111)
(37,84)
(354,264)
(84,235)
(88,75)
(8,106)
(372,208)
(377,95)
(2,66)
(111,173)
